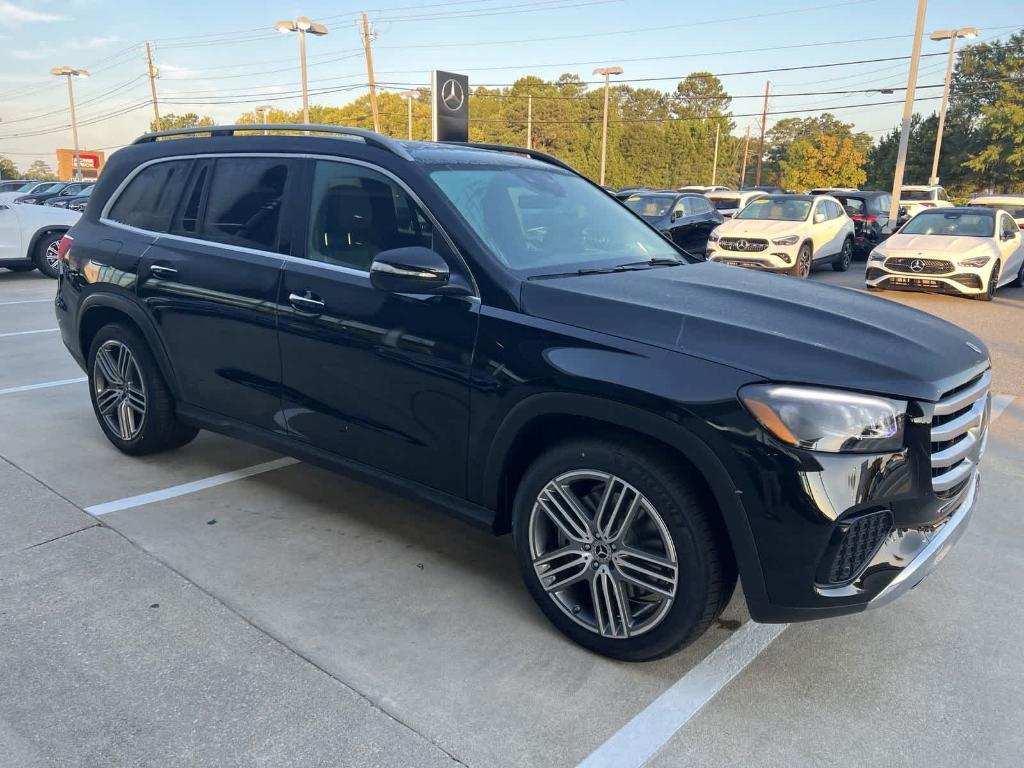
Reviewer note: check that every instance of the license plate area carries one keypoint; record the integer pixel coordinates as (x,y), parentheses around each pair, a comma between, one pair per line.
(917,282)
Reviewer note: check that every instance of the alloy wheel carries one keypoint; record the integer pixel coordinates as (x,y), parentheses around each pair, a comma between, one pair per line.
(52,259)
(804,264)
(847,255)
(119,391)
(603,553)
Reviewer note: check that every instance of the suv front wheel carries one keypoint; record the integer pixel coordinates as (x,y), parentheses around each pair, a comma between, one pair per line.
(618,551)
(131,400)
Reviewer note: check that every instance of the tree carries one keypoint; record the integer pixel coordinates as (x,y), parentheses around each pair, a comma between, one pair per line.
(40,170)
(1001,160)
(787,132)
(188,120)
(823,160)
(8,170)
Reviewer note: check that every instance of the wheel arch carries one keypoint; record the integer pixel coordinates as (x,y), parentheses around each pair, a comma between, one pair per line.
(42,232)
(103,308)
(544,419)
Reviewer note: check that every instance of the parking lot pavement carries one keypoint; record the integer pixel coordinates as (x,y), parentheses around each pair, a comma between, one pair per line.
(310,619)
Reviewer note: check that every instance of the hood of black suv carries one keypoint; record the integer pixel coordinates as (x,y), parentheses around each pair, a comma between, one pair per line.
(779,328)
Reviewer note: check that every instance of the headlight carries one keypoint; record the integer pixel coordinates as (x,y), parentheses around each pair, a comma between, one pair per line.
(787,240)
(875,255)
(975,261)
(27,200)
(827,419)
(715,234)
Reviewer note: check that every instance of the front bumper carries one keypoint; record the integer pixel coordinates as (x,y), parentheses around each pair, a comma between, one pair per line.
(775,258)
(963,281)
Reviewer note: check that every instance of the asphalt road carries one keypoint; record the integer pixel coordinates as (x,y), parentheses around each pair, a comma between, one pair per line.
(297,618)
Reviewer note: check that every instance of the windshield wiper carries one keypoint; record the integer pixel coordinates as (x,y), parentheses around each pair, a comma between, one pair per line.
(628,267)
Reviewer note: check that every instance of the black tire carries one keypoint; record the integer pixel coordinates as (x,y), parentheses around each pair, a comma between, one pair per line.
(1018,281)
(159,428)
(42,257)
(842,262)
(706,569)
(22,267)
(804,262)
(990,290)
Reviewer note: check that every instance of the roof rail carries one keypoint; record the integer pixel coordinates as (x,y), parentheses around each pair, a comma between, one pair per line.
(371,138)
(535,154)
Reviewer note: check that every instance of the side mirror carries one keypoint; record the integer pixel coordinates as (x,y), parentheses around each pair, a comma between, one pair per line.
(414,270)
(677,214)
(819,217)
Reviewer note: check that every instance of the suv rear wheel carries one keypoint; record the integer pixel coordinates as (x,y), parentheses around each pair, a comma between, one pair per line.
(45,255)
(842,262)
(129,395)
(618,551)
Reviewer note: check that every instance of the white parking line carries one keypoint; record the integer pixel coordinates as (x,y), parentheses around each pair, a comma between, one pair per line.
(43,385)
(26,301)
(639,739)
(185,488)
(27,333)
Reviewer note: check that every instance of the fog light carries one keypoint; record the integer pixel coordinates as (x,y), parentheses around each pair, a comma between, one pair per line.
(786,259)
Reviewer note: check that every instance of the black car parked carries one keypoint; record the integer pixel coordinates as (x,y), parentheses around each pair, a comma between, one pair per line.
(686,218)
(491,332)
(870,213)
(71,189)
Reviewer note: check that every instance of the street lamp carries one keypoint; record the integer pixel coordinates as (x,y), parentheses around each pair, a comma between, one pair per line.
(302,25)
(607,72)
(952,35)
(409,96)
(69,73)
(261,113)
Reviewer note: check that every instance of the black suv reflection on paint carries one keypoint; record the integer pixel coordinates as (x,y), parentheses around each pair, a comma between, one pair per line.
(484,329)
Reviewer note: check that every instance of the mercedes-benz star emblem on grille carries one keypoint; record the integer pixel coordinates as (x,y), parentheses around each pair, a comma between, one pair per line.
(741,245)
(917,265)
(452,95)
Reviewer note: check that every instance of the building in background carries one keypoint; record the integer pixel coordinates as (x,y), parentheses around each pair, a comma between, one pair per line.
(92,163)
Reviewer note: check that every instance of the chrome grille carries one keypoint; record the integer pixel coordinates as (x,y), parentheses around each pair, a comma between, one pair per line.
(919,266)
(958,430)
(742,244)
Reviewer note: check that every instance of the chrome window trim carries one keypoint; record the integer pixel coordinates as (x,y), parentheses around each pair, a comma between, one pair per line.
(103,217)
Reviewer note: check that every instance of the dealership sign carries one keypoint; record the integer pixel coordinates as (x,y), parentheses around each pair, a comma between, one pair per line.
(450,106)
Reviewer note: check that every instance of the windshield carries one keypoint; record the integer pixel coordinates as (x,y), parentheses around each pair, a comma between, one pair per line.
(951,224)
(544,220)
(47,187)
(776,209)
(854,205)
(650,206)
(86,192)
(1014,209)
(916,194)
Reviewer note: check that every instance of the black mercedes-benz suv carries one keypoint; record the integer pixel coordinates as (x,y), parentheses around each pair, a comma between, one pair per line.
(485,329)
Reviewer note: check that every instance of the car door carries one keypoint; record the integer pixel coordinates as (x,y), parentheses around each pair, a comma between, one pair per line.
(10,233)
(681,223)
(822,229)
(1011,246)
(705,219)
(379,378)
(211,283)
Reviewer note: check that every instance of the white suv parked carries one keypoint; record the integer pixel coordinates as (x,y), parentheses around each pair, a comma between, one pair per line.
(29,235)
(917,199)
(785,233)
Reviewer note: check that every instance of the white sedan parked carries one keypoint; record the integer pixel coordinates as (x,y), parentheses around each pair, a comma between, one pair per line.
(785,233)
(965,251)
(29,235)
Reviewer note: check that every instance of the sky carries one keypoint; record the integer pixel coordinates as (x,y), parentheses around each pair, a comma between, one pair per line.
(213,51)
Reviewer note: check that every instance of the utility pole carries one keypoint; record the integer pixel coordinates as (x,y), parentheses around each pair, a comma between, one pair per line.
(952,35)
(760,143)
(153,73)
(908,111)
(409,96)
(369,73)
(607,72)
(746,150)
(529,121)
(714,164)
(302,25)
(70,73)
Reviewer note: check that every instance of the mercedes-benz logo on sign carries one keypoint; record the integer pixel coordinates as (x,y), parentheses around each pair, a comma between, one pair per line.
(741,245)
(916,265)
(452,95)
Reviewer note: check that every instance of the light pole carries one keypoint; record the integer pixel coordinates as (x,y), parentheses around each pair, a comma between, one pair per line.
(261,113)
(302,25)
(607,72)
(409,96)
(951,35)
(908,111)
(69,73)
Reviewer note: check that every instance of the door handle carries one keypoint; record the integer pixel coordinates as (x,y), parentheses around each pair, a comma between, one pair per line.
(161,271)
(306,302)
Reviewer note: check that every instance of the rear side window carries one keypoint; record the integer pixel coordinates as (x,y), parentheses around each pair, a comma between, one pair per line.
(245,200)
(150,198)
(356,213)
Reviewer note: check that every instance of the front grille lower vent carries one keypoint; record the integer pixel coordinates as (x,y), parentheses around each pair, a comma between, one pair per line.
(959,424)
(863,538)
(742,244)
